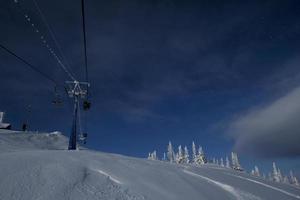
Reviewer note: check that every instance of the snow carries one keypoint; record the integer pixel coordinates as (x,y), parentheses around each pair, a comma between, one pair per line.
(269,186)
(109,176)
(237,194)
(36,166)
(19,140)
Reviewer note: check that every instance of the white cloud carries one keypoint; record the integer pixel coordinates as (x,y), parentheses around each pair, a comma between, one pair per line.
(272,130)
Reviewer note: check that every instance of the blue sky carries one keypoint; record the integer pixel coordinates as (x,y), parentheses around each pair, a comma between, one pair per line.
(221,73)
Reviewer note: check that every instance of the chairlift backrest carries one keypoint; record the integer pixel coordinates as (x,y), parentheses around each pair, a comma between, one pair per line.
(86,105)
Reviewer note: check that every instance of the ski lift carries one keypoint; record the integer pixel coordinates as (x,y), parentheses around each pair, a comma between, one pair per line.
(57,98)
(83,137)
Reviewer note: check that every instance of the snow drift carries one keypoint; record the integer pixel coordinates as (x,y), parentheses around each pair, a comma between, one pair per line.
(32,168)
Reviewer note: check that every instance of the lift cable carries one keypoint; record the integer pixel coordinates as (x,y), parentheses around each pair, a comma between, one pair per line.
(44,41)
(84,41)
(58,46)
(29,65)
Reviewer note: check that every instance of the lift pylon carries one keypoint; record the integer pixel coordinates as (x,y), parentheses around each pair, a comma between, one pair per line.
(76,90)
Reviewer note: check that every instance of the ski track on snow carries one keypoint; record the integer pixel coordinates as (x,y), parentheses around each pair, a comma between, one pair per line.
(109,176)
(266,185)
(240,195)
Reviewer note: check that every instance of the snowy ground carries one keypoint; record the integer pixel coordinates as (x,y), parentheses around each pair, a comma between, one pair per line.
(31,169)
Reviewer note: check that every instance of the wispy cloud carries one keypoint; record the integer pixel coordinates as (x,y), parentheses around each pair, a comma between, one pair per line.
(271,130)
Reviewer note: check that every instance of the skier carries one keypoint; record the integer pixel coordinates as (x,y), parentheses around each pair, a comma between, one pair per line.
(24,127)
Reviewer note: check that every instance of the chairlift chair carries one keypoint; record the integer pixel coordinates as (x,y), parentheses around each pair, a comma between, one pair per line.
(57,98)
(83,137)
(57,101)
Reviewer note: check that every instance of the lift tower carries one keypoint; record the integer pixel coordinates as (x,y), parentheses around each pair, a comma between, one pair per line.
(76,90)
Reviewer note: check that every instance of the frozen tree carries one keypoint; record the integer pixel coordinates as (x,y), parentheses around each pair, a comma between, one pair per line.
(200,158)
(286,180)
(296,181)
(194,152)
(180,152)
(256,171)
(214,161)
(293,180)
(201,155)
(227,162)
(164,157)
(264,176)
(186,155)
(275,173)
(222,162)
(179,155)
(152,156)
(279,175)
(176,157)
(291,176)
(217,161)
(270,177)
(235,162)
(170,153)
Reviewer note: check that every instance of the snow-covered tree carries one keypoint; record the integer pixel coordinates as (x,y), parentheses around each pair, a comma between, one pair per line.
(270,177)
(256,171)
(176,157)
(201,155)
(264,176)
(293,179)
(286,180)
(235,161)
(296,181)
(275,174)
(170,153)
(221,162)
(217,161)
(200,158)
(280,175)
(194,151)
(179,155)
(227,162)
(186,155)
(164,157)
(152,156)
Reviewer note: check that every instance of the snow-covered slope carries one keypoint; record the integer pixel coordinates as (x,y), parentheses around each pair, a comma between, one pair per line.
(18,140)
(32,173)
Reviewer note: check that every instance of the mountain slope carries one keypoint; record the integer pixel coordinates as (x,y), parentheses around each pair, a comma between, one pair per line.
(33,173)
(18,140)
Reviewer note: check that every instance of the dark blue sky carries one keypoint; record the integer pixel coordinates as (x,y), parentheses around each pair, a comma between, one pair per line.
(222,73)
